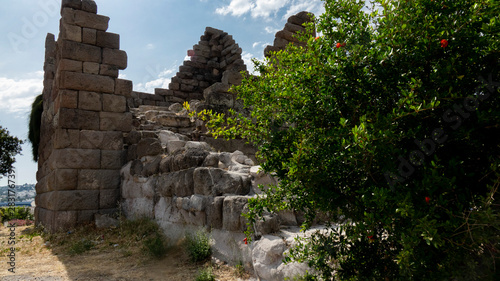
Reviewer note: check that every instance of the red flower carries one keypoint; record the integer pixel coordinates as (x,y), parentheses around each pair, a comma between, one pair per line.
(427,199)
(316,38)
(370,237)
(339,45)
(245,240)
(444,43)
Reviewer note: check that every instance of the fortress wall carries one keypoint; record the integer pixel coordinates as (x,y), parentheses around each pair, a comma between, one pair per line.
(85,115)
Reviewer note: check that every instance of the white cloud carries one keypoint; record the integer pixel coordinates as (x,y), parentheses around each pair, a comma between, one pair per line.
(236,7)
(255,44)
(314,6)
(150,46)
(161,80)
(266,8)
(17,95)
(270,29)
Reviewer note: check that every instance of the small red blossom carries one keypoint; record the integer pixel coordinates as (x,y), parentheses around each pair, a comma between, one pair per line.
(370,237)
(427,199)
(245,240)
(339,45)
(316,38)
(444,43)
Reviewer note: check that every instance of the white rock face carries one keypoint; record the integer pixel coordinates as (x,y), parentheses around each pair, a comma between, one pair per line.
(267,256)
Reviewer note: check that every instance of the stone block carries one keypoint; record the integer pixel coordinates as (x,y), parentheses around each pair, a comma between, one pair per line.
(89,101)
(299,19)
(212,160)
(114,57)
(123,87)
(86,216)
(101,140)
(87,82)
(70,65)
(70,32)
(89,36)
(174,146)
(73,4)
(132,188)
(98,179)
(114,103)
(89,6)
(71,158)
(109,198)
(152,167)
(65,220)
(77,119)
(287,35)
(71,200)
(91,67)
(294,27)
(214,213)
(112,121)
(108,40)
(66,179)
(232,209)
(133,137)
(85,19)
(149,147)
(213,181)
(173,120)
(68,99)
(280,42)
(78,51)
(109,70)
(112,159)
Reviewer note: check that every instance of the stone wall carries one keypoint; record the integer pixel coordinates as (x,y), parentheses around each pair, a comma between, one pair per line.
(85,115)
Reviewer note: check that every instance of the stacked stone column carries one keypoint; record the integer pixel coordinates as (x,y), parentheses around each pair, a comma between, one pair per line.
(85,115)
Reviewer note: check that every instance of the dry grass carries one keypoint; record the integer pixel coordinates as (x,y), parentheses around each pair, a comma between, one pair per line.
(87,253)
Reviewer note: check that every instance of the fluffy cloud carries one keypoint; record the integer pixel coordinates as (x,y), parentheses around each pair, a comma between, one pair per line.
(161,80)
(266,8)
(17,95)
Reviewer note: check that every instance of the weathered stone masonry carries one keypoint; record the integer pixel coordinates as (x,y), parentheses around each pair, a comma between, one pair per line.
(93,124)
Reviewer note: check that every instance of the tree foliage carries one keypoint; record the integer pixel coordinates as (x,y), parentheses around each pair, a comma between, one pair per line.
(35,123)
(9,147)
(388,123)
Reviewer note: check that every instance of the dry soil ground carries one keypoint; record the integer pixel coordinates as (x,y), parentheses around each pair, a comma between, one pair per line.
(112,257)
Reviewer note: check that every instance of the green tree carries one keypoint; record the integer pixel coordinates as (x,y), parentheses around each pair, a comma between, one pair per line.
(35,123)
(9,147)
(388,123)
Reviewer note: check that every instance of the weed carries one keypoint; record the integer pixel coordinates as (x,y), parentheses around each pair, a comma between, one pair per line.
(81,246)
(198,246)
(239,269)
(155,246)
(205,274)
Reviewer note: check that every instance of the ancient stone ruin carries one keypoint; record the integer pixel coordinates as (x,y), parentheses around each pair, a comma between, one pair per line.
(107,149)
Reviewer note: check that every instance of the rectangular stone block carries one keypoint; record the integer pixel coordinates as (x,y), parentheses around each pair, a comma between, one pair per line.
(70,32)
(101,140)
(91,67)
(64,138)
(108,40)
(114,103)
(73,158)
(70,65)
(85,19)
(73,4)
(112,159)
(86,216)
(112,121)
(89,36)
(87,82)
(43,216)
(114,57)
(65,179)
(79,51)
(71,200)
(89,6)
(109,198)
(109,70)
(123,87)
(78,119)
(99,179)
(89,101)
(67,99)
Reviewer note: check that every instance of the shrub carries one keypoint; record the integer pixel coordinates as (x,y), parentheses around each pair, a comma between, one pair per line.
(198,246)
(20,213)
(205,274)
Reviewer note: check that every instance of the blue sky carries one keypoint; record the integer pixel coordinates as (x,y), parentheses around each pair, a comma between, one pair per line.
(156,35)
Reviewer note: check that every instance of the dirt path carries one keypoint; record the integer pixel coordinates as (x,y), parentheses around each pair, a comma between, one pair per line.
(36,259)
